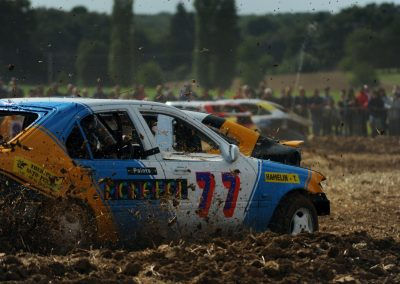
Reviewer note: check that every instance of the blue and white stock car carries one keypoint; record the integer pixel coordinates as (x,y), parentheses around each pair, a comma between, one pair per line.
(142,169)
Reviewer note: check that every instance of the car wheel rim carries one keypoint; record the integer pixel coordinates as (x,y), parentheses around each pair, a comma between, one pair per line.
(301,222)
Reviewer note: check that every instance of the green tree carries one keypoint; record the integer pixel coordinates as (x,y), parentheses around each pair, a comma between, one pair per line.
(204,28)
(17,22)
(255,62)
(120,56)
(150,74)
(91,62)
(181,41)
(362,46)
(225,42)
(258,26)
(363,73)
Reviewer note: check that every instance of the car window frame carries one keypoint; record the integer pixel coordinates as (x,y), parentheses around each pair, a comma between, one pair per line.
(218,140)
(108,110)
(76,123)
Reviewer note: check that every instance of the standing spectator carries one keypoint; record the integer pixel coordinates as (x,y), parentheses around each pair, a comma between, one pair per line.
(76,92)
(394,113)
(40,91)
(56,91)
(187,94)
(85,93)
(353,112)
(343,113)
(287,100)
(301,103)
(141,94)
(99,94)
(160,96)
(53,91)
(327,96)
(362,111)
(206,96)
(220,94)
(116,92)
(386,103)
(376,109)
(135,95)
(70,90)
(336,123)
(239,93)
(329,111)
(15,91)
(261,88)
(268,95)
(327,117)
(316,105)
(32,93)
(247,92)
(3,90)
(170,95)
(126,95)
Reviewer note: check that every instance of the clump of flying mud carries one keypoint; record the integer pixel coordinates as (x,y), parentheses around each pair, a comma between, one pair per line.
(358,243)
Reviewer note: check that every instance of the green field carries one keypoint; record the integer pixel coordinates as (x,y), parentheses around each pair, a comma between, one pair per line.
(336,80)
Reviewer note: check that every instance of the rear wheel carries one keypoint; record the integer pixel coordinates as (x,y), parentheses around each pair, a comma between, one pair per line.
(295,214)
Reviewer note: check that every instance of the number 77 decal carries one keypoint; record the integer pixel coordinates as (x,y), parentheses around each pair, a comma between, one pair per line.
(206,181)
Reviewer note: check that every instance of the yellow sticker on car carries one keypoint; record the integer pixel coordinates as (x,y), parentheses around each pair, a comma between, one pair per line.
(36,174)
(281,177)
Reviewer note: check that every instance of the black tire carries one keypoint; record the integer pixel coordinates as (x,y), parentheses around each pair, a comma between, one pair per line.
(64,226)
(282,220)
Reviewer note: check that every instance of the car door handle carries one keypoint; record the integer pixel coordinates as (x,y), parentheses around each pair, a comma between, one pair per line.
(182,170)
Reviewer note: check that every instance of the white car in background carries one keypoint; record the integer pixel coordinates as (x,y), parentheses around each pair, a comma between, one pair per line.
(270,118)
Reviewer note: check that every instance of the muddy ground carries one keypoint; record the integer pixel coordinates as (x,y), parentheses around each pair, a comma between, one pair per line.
(358,242)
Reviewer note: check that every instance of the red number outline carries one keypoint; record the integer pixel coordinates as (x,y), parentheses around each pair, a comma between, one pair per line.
(206,181)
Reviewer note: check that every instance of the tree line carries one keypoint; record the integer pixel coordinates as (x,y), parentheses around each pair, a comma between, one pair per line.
(211,45)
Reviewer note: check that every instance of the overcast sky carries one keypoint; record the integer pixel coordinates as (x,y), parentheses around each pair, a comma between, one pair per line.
(244,6)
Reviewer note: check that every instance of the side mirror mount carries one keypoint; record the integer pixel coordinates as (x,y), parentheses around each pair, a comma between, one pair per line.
(230,153)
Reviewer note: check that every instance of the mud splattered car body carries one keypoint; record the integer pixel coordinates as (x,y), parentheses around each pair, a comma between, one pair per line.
(250,142)
(115,158)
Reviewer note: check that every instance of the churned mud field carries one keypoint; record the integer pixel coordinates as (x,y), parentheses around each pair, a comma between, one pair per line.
(358,243)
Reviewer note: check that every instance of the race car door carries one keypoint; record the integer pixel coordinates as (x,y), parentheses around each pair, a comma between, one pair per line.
(123,168)
(215,192)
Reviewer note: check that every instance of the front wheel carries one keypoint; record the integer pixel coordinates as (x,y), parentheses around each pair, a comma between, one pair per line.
(295,214)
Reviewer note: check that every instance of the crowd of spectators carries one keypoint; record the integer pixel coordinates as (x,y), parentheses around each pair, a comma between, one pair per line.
(349,116)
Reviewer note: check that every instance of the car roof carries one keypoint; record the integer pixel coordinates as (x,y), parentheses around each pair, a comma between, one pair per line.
(57,102)
(219,102)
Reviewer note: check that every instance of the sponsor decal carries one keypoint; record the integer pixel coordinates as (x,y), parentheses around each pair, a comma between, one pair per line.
(36,174)
(145,189)
(281,177)
(141,171)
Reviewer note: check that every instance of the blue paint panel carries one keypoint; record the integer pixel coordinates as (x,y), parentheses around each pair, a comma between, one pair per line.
(59,115)
(267,194)
(64,116)
(124,211)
